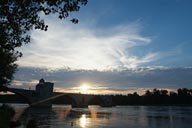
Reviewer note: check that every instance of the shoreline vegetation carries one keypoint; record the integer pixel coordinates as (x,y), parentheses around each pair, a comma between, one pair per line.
(183,97)
(6,115)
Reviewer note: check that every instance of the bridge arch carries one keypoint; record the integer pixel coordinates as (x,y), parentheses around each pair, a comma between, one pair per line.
(96,100)
(73,101)
(101,100)
(65,99)
(76,100)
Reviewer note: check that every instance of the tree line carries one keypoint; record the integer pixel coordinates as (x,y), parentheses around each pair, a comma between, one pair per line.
(183,96)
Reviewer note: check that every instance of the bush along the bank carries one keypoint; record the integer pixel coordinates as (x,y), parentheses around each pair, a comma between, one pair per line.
(6,115)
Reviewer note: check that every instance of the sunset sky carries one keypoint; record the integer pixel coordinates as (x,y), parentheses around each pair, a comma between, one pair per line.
(118,46)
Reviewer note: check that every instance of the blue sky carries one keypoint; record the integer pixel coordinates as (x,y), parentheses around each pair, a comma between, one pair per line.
(166,22)
(133,44)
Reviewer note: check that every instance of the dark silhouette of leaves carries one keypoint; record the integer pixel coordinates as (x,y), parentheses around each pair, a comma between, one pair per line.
(17,18)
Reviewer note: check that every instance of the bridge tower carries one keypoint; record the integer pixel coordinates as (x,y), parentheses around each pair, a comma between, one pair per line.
(44,90)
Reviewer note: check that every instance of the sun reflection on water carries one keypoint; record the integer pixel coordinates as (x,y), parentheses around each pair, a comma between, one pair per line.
(83,121)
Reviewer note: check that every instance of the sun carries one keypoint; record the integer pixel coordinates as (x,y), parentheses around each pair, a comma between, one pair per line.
(84,88)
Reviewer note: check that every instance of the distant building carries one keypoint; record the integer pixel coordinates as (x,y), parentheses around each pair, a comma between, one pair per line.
(44,89)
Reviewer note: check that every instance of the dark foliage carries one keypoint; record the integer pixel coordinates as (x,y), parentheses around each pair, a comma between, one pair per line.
(6,115)
(156,97)
(17,18)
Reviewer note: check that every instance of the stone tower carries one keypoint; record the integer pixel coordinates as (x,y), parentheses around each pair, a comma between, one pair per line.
(44,90)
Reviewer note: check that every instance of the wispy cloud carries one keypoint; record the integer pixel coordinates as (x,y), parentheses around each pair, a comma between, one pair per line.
(84,47)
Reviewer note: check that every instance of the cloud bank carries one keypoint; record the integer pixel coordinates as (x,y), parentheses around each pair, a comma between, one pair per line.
(85,47)
(124,81)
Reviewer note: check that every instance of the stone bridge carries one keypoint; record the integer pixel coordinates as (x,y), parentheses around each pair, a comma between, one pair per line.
(43,95)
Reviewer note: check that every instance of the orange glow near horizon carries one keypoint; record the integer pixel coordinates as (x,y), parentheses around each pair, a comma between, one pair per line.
(86,88)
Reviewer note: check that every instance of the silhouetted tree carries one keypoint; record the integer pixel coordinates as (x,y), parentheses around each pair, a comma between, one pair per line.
(184,92)
(135,94)
(184,96)
(156,92)
(148,93)
(164,92)
(17,18)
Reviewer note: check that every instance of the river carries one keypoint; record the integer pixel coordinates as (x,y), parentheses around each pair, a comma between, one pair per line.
(62,116)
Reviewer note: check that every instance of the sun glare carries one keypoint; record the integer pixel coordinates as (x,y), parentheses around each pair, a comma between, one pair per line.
(84,88)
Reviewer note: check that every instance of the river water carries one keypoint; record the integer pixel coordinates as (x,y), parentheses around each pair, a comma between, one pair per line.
(62,116)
